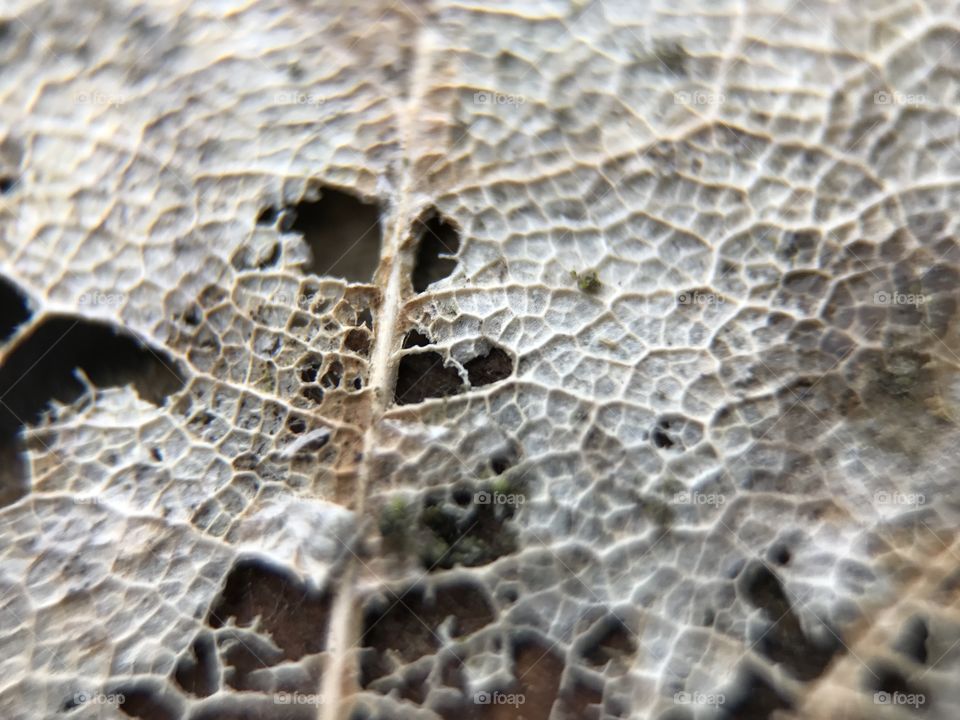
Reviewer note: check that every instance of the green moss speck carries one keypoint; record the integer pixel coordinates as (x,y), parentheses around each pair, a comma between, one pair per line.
(587,281)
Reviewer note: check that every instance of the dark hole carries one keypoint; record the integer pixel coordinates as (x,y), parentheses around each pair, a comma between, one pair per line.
(296,425)
(495,365)
(365,318)
(438,240)
(147,703)
(500,464)
(13,309)
(313,393)
(343,233)
(785,642)
(912,642)
(423,376)
(268,216)
(357,341)
(410,626)
(661,439)
(780,554)
(291,613)
(764,590)
(886,678)
(462,497)
(310,368)
(41,368)
(753,699)
(198,673)
(357,383)
(332,377)
(415,338)
(6,184)
(538,669)
(582,700)
(612,641)
(192,316)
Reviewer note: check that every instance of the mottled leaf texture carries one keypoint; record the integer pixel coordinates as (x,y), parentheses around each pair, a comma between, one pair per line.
(506,360)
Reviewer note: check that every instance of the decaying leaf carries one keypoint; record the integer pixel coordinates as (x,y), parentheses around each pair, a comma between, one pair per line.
(303,415)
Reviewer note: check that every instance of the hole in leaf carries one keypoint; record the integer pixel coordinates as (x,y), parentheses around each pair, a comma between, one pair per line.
(41,368)
(147,703)
(310,367)
(415,338)
(611,641)
(754,698)
(358,341)
(780,554)
(291,613)
(538,669)
(438,241)
(198,673)
(365,318)
(343,233)
(500,464)
(785,641)
(661,439)
(313,393)
(912,642)
(296,425)
(268,216)
(422,376)
(6,184)
(13,309)
(490,368)
(332,377)
(890,680)
(409,627)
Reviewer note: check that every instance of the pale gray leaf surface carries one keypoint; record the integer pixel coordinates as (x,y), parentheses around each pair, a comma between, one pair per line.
(667,430)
